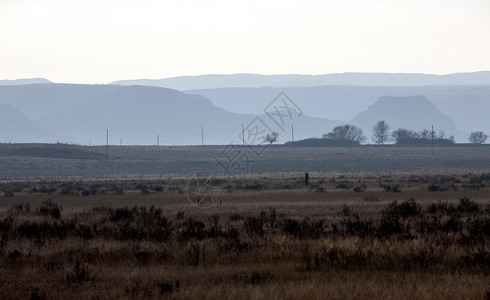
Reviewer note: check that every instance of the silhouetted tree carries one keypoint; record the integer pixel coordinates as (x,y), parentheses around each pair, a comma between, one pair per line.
(271,137)
(477,137)
(402,135)
(426,134)
(349,133)
(381,132)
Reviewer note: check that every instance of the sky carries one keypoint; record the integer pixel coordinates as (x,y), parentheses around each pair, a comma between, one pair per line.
(100,41)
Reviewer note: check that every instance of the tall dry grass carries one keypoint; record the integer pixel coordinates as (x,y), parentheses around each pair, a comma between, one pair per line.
(367,248)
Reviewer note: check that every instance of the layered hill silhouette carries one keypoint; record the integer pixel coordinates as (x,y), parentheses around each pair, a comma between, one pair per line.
(468,106)
(295,80)
(16,127)
(37,101)
(137,114)
(81,113)
(413,112)
(24,81)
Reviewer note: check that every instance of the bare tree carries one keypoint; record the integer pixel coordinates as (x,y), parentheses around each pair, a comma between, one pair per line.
(425,134)
(381,132)
(271,137)
(477,137)
(354,134)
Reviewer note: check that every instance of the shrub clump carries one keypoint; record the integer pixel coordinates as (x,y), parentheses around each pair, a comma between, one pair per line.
(50,208)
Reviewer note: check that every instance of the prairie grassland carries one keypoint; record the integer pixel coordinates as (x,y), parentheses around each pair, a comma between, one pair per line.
(344,237)
(60,161)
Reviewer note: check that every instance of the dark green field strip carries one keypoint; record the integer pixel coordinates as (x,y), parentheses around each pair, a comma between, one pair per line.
(49,151)
(18,161)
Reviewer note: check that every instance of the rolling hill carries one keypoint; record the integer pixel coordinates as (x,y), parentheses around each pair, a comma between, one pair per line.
(136,114)
(468,106)
(16,127)
(24,81)
(295,80)
(414,112)
(37,101)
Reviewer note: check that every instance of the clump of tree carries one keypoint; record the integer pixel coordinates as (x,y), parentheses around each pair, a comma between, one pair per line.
(409,137)
(477,137)
(381,133)
(346,135)
(404,136)
(271,137)
(350,135)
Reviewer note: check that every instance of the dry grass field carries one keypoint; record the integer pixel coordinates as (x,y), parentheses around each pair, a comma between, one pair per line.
(345,236)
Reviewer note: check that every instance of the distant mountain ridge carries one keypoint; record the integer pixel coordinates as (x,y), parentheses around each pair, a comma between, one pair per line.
(135,114)
(37,101)
(212,81)
(80,113)
(413,112)
(468,106)
(24,81)
(16,127)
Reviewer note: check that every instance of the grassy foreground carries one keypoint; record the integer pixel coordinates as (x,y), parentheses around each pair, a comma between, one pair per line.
(344,237)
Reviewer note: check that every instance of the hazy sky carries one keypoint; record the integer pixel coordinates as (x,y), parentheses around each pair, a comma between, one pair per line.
(99,41)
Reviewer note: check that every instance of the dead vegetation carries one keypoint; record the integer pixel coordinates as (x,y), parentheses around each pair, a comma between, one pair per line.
(272,238)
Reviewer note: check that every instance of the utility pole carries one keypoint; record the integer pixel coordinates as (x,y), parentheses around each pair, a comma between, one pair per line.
(158,140)
(107,144)
(292,132)
(202,136)
(121,142)
(243,135)
(432,141)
